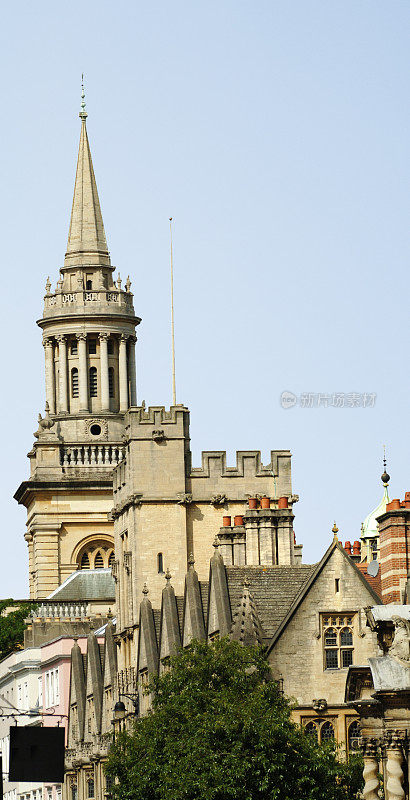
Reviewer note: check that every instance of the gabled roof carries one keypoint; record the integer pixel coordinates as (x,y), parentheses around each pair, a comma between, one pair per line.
(273,590)
(311,580)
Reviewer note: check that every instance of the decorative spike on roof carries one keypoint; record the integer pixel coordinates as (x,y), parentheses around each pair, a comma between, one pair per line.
(370,528)
(246,626)
(87,244)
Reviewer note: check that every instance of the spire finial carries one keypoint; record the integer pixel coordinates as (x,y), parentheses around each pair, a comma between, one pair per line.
(167,576)
(335,531)
(191,560)
(385,477)
(145,589)
(215,543)
(83,114)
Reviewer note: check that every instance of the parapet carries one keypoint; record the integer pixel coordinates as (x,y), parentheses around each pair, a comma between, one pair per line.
(248,463)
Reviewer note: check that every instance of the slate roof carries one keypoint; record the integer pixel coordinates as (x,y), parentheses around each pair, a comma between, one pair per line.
(273,590)
(375,581)
(86,584)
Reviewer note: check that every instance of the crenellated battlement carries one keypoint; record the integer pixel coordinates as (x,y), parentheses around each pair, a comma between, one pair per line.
(248,464)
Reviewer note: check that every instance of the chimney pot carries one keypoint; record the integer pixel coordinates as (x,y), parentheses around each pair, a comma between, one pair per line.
(283,502)
(238,520)
(265,502)
(253,502)
(356,548)
(394,505)
(348,548)
(226,522)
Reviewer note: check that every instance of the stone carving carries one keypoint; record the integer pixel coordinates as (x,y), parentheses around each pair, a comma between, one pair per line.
(395,775)
(371,769)
(88,423)
(400,646)
(184,498)
(158,435)
(44,423)
(218,499)
(320,705)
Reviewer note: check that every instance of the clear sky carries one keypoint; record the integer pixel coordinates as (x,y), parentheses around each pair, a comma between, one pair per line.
(276,134)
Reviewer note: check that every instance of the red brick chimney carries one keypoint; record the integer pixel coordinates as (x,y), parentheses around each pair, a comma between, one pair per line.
(394,530)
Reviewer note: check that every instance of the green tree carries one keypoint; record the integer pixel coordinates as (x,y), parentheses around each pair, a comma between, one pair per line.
(12,625)
(220,729)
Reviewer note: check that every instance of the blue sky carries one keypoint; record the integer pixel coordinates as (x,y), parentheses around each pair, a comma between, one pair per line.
(276,134)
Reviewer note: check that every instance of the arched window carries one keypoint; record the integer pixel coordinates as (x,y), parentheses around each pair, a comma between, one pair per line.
(331,649)
(74,347)
(327,732)
(353,737)
(74,382)
(93,381)
(98,561)
(111,381)
(311,729)
(85,562)
(111,558)
(346,644)
(160,563)
(90,788)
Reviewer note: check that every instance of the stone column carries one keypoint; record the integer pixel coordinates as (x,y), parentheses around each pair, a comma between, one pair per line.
(395,776)
(132,371)
(105,389)
(123,373)
(82,371)
(62,365)
(371,770)
(50,378)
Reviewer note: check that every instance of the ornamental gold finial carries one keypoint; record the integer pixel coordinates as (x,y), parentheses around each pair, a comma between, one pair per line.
(335,531)
(83,114)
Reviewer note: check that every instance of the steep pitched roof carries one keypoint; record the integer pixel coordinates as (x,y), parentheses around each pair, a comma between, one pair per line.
(86,238)
(316,570)
(273,589)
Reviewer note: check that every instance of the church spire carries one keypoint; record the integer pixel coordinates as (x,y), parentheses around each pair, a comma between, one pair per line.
(87,245)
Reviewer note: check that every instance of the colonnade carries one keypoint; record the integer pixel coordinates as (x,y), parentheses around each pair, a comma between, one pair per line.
(126,373)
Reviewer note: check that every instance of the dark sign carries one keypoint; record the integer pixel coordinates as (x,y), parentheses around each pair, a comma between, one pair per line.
(37,754)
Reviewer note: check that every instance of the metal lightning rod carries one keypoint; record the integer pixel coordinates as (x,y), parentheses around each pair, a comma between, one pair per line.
(174,395)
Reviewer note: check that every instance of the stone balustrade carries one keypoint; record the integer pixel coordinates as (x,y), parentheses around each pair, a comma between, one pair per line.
(66,300)
(106,456)
(60,611)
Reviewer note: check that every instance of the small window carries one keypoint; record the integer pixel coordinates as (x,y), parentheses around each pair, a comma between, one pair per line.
(74,347)
(74,382)
(95,429)
(311,729)
(337,585)
(111,381)
(85,562)
(354,734)
(98,561)
(110,347)
(92,346)
(111,558)
(160,563)
(327,732)
(90,788)
(89,285)
(93,381)
(338,642)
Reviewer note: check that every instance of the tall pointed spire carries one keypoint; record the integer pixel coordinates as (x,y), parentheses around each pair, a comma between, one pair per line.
(87,245)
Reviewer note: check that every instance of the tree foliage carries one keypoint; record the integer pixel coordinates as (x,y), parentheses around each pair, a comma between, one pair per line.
(220,730)
(12,625)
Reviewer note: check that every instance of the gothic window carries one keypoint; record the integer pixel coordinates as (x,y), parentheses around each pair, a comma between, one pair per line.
(93,381)
(90,788)
(353,736)
(327,732)
(74,382)
(92,346)
(160,563)
(85,562)
(322,729)
(73,791)
(74,347)
(98,561)
(111,381)
(111,558)
(337,641)
(311,728)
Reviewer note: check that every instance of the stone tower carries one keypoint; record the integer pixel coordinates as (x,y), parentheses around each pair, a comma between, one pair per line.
(89,339)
